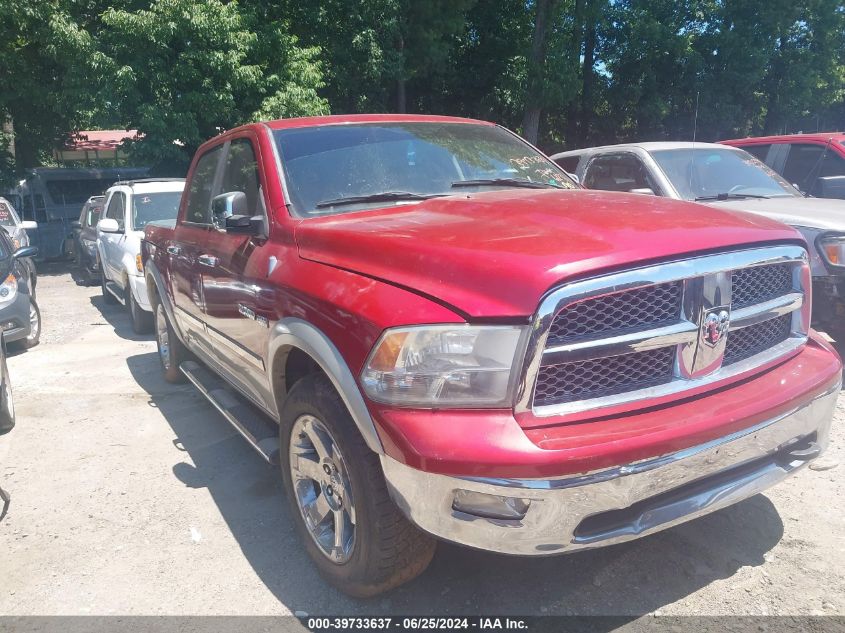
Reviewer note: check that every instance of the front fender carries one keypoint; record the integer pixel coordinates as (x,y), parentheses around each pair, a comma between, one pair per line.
(296,333)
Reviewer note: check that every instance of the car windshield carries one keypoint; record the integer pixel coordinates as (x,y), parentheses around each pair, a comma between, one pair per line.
(149,207)
(340,168)
(7,216)
(708,172)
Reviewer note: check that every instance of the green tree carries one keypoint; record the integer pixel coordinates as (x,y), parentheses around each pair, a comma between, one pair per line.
(181,71)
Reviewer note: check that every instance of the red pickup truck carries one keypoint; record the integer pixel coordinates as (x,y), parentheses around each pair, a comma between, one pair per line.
(435,332)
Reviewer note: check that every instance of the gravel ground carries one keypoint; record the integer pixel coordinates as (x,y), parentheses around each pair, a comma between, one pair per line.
(133,496)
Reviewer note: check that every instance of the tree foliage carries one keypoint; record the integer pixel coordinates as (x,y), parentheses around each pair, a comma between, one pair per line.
(568,72)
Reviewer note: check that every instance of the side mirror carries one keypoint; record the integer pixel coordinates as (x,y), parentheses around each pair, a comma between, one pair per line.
(29,225)
(108,225)
(245,225)
(25,251)
(643,190)
(76,224)
(228,204)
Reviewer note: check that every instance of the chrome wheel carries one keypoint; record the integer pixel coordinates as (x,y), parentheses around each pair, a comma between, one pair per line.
(162,337)
(321,485)
(34,323)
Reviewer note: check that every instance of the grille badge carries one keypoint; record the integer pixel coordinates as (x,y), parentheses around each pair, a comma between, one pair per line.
(715,326)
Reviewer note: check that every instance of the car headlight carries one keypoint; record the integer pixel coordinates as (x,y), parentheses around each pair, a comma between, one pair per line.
(436,366)
(831,247)
(8,289)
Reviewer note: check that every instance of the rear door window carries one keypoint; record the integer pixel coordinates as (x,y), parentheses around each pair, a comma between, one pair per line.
(802,159)
(760,152)
(201,187)
(569,163)
(618,172)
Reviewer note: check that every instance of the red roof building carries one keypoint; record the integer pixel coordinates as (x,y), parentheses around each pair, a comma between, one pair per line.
(94,148)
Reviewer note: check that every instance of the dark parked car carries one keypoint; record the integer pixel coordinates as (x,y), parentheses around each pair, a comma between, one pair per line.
(7,413)
(7,407)
(85,238)
(814,163)
(17,230)
(20,318)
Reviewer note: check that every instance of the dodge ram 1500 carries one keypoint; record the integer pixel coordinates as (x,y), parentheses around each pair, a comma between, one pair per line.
(436,333)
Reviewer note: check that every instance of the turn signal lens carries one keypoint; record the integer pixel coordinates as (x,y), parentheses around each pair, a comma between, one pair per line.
(832,249)
(138,263)
(435,366)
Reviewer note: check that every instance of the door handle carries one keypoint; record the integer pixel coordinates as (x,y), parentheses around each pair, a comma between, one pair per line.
(208,260)
(174,250)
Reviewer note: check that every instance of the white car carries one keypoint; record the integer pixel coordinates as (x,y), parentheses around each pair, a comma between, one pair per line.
(130,205)
(728,178)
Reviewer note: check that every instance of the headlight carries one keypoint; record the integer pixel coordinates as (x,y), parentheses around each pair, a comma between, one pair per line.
(8,289)
(445,366)
(831,247)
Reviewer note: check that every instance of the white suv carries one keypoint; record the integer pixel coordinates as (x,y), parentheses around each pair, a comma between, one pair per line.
(130,205)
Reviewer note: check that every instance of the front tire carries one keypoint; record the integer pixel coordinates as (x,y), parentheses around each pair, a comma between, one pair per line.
(142,321)
(108,297)
(356,536)
(171,351)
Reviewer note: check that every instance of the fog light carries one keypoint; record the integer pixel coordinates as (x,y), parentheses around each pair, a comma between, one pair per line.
(490,506)
(9,325)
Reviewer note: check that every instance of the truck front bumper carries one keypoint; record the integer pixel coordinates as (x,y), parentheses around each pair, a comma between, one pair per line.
(616,504)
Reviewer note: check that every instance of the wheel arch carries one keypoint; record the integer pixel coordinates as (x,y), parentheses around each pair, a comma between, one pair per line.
(157,292)
(292,340)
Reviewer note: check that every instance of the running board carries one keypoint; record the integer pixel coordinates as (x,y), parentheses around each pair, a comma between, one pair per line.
(261,432)
(116,291)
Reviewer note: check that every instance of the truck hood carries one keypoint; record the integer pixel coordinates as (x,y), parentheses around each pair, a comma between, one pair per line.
(496,254)
(816,213)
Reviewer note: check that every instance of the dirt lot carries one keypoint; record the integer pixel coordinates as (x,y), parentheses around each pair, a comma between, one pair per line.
(133,496)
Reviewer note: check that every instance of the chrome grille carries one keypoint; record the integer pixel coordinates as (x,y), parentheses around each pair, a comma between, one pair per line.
(650,306)
(757,338)
(603,376)
(759,284)
(664,329)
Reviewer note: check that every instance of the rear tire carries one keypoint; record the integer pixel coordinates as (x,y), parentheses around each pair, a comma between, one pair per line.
(347,490)
(34,336)
(142,321)
(171,351)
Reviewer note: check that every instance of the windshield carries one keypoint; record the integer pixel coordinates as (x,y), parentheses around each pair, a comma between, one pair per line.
(331,163)
(7,215)
(708,172)
(149,207)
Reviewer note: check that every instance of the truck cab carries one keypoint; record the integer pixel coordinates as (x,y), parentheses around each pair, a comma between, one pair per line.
(437,335)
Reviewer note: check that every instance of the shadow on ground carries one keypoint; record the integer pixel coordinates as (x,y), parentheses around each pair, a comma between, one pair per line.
(117,316)
(629,579)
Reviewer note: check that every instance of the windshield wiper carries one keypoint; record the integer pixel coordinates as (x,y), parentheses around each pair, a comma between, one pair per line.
(384,196)
(730,196)
(506,182)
